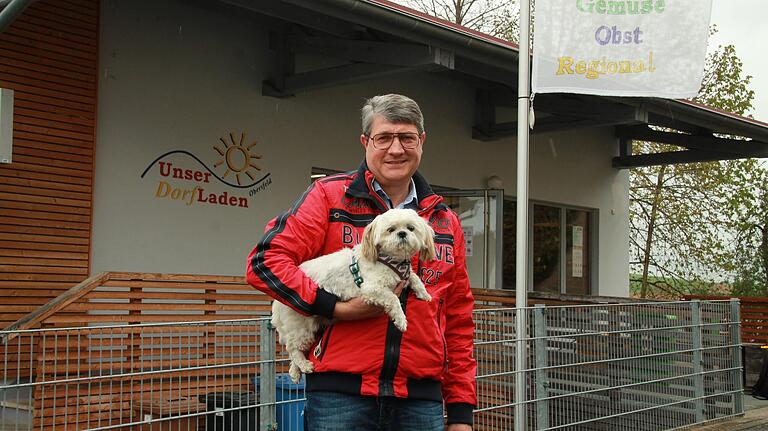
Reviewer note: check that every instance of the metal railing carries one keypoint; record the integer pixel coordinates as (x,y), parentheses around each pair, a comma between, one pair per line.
(647,366)
(652,366)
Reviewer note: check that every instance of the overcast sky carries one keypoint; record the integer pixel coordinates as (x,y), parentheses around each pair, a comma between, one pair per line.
(744,23)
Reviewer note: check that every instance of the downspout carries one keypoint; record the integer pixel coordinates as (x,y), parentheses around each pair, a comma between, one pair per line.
(10,11)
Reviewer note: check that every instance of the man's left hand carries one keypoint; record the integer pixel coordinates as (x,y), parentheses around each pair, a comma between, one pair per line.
(459,427)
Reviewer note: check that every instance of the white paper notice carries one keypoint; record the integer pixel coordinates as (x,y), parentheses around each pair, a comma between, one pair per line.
(577,258)
(578,236)
(468,235)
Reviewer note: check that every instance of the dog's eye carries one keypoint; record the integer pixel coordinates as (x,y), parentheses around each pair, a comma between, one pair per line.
(411,228)
(391,229)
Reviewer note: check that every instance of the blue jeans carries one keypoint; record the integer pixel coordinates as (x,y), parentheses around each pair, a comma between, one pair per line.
(335,411)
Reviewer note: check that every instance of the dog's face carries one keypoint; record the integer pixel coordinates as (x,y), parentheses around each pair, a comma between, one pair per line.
(399,233)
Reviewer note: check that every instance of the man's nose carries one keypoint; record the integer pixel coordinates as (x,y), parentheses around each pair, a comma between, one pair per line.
(402,234)
(397,146)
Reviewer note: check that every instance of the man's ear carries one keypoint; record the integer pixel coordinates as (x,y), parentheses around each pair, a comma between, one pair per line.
(423,137)
(368,243)
(363,141)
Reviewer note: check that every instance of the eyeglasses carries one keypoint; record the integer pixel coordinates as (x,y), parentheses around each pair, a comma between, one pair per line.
(383,141)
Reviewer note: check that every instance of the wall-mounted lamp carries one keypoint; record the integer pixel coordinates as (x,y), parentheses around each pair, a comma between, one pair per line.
(494,182)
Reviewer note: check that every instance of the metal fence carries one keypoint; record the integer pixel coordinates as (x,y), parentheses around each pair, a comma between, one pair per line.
(648,366)
(653,366)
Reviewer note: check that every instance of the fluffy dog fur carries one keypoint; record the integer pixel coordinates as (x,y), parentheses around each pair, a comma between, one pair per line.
(397,233)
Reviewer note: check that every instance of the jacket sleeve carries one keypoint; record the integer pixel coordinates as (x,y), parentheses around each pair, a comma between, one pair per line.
(459,387)
(291,238)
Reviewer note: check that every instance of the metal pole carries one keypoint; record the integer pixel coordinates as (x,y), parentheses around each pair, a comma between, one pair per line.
(735,339)
(521,276)
(11,11)
(698,360)
(541,362)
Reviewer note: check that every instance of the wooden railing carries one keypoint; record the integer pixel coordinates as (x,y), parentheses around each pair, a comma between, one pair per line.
(123,298)
(754,316)
(117,298)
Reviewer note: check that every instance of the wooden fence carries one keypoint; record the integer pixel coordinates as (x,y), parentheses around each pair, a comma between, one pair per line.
(754,316)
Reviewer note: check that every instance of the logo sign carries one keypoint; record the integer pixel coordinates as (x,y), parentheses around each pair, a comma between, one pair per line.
(233,179)
(620,48)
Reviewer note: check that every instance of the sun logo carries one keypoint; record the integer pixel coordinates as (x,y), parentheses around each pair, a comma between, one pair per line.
(238,158)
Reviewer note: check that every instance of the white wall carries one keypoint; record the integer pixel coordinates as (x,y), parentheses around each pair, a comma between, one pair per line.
(179,77)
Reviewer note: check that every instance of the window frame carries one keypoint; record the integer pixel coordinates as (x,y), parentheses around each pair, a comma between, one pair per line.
(594,214)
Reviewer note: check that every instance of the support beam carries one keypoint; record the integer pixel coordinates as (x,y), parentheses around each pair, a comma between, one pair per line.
(625,147)
(590,107)
(485,116)
(368,60)
(740,148)
(671,158)
(545,125)
(365,51)
(563,113)
(325,78)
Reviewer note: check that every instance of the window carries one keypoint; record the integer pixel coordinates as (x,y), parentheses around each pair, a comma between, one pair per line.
(481,218)
(546,260)
(560,248)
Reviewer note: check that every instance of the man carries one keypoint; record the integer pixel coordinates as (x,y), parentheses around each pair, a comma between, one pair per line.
(367,374)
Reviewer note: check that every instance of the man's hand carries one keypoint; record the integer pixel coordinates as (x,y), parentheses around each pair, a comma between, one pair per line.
(459,427)
(357,309)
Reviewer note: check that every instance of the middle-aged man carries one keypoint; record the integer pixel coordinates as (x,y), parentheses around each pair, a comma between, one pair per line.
(367,374)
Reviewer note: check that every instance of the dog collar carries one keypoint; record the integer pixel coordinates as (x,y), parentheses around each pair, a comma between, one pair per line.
(354,269)
(401,268)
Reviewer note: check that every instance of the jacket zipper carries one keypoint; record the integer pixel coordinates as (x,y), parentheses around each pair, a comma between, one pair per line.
(322,345)
(442,336)
(391,353)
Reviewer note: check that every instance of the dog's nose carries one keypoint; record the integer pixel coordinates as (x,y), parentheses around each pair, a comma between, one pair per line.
(402,234)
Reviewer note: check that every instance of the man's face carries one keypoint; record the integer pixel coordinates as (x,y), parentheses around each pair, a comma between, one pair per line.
(394,165)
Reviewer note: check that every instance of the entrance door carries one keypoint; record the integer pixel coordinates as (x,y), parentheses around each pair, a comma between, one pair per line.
(480,212)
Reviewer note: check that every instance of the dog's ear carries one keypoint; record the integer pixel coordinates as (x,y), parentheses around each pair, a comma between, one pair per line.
(427,251)
(368,244)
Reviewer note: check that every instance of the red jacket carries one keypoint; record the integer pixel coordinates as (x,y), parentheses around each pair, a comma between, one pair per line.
(433,358)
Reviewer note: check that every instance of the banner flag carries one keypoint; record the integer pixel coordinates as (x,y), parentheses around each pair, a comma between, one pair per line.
(620,48)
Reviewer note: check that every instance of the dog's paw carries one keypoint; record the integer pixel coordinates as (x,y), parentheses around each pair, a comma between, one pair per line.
(401,324)
(294,373)
(307,367)
(424,296)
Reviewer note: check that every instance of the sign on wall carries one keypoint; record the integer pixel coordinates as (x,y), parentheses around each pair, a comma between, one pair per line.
(229,176)
(621,48)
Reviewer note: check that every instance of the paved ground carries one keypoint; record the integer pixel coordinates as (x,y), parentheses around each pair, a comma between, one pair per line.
(755,418)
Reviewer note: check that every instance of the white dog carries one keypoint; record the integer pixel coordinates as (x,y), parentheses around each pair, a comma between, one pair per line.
(370,270)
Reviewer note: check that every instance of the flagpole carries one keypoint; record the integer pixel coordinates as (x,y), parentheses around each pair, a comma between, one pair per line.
(521,262)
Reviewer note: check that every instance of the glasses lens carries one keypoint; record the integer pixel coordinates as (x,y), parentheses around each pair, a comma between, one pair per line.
(409,140)
(383,141)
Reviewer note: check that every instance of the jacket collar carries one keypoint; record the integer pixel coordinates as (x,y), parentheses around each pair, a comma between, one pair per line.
(361,187)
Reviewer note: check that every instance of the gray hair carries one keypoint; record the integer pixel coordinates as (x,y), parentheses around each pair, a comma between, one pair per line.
(395,108)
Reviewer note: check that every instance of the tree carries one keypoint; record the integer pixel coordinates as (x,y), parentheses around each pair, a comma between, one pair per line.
(751,263)
(495,17)
(682,231)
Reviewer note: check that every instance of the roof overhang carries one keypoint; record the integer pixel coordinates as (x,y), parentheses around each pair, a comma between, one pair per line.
(373,38)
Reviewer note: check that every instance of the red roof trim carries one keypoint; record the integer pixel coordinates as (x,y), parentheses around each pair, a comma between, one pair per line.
(443,23)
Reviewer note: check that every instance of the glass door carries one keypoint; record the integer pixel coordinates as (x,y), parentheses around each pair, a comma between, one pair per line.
(481,215)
